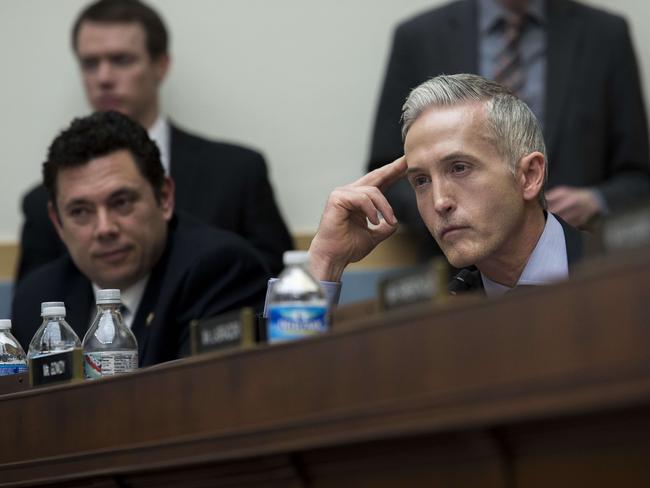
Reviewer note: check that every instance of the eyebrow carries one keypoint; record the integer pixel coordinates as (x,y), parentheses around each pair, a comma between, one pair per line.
(124,191)
(448,158)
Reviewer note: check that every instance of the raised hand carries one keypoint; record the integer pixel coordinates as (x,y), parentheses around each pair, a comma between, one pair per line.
(351,225)
(576,206)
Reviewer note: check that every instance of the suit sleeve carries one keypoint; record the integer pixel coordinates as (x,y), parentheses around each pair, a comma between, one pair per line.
(264,226)
(39,242)
(227,279)
(628,156)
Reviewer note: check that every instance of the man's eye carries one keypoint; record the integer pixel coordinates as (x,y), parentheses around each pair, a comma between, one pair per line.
(123,60)
(420,181)
(123,204)
(89,64)
(459,168)
(77,212)
(80,215)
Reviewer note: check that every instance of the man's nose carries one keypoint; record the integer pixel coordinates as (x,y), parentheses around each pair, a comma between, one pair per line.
(443,199)
(105,225)
(105,73)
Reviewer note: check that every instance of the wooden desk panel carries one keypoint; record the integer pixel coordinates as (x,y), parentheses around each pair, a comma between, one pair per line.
(377,401)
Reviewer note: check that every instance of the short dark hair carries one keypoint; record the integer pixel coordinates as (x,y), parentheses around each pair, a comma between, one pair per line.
(98,135)
(124,11)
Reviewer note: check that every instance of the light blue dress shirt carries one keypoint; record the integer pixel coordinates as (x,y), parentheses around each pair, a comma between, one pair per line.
(547,264)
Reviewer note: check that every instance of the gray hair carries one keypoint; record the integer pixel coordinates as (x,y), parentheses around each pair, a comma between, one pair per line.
(512,124)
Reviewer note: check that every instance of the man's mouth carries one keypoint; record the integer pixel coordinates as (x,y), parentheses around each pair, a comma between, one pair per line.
(451,231)
(113,256)
(109,103)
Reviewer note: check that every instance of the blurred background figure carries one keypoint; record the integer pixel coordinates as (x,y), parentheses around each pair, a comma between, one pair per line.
(123,54)
(574,66)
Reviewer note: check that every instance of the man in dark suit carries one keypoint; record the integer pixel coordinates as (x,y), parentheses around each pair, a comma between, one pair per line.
(474,155)
(579,75)
(113,207)
(122,50)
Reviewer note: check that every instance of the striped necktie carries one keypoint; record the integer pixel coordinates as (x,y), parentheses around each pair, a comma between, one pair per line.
(509,70)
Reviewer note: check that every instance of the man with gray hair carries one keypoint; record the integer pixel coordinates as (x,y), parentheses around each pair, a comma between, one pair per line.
(475,157)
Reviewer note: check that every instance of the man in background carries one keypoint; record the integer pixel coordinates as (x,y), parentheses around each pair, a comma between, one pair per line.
(572,64)
(113,207)
(122,49)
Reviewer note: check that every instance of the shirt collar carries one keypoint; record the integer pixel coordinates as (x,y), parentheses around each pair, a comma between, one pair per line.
(547,263)
(490,12)
(159,132)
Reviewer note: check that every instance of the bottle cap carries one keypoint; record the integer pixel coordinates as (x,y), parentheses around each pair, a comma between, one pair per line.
(295,257)
(5,324)
(53,312)
(44,305)
(110,295)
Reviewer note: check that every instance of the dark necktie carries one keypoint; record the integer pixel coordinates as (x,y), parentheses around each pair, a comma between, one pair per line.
(124,310)
(509,70)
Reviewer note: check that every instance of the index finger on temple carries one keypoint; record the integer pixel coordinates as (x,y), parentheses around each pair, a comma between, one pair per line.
(386,175)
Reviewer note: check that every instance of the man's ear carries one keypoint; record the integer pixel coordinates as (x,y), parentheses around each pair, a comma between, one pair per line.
(530,175)
(161,66)
(167,198)
(55,218)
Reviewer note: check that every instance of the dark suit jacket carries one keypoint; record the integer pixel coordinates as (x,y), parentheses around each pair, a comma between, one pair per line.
(595,124)
(203,272)
(469,279)
(223,185)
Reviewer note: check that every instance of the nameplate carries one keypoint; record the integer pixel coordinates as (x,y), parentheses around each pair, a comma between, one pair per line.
(425,284)
(53,368)
(627,230)
(236,329)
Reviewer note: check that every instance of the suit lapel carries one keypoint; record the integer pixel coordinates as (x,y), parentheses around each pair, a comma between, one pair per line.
(563,48)
(462,37)
(147,315)
(181,168)
(574,241)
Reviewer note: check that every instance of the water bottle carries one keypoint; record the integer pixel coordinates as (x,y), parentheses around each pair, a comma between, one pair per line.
(54,352)
(109,346)
(297,306)
(12,356)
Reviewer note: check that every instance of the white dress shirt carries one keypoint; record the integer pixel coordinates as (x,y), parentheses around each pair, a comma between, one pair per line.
(160,133)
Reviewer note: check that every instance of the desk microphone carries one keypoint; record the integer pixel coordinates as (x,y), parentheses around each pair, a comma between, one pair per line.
(466,279)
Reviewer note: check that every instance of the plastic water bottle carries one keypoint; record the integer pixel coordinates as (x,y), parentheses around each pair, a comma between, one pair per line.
(12,356)
(110,347)
(54,335)
(297,305)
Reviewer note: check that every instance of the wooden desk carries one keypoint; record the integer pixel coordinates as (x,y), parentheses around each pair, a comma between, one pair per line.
(547,387)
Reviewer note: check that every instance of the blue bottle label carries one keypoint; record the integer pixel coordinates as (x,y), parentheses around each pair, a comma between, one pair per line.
(7,369)
(287,322)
